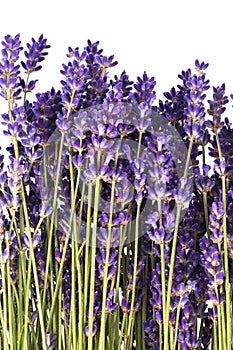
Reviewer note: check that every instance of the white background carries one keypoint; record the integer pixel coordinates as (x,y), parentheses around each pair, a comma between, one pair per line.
(160,37)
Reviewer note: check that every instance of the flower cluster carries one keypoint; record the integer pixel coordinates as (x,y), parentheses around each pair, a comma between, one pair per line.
(115,212)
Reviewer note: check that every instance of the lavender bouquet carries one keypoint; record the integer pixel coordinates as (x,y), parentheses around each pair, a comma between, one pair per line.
(116,227)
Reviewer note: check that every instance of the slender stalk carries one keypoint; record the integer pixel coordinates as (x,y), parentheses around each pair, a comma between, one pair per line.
(220,340)
(117,284)
(75,265)
(177,324)
(53,271)
(225,246)
(219,329)
(4,318)
(80,306)
(206,212)
(226,267)
(93,253)
(203,155)
(188,157)
(73,271)
(171,333)
(82,310)
(144,304)
(139,143)
(11,315)
(59,323)
(169,287)
(223,325)
(131,314)
(26,86)
(215,338)
(2,323)
(122,329)
(163,280)
(105,280)
(26,306)
(87,261)
(22,276)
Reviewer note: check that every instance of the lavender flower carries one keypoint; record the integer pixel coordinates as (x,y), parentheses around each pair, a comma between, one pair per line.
(120,291)
(9,69)
(36,53)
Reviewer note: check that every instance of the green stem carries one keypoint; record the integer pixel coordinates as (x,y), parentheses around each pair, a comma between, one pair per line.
(117,284)
(171,333)
(169,287)
(163,279)
(226,267)
(139,144)
(160,335)
(11,315)
(219,317)
(59,323)
(93,253)
(144,304)
(203,155)
(26,86)
(82,310)
(225,245)
(4,323)
(215,339)
(122,330)
(206,212)
(26,305)
(219,329)
(131,314)
(87,261)
(105,280)
(177,324)
(223,326)
(188,157)
(73,257)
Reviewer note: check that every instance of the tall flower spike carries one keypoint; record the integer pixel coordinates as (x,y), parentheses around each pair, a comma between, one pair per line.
(217,108)
(144,94)
(195,112)
(35,54)
(9,69)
